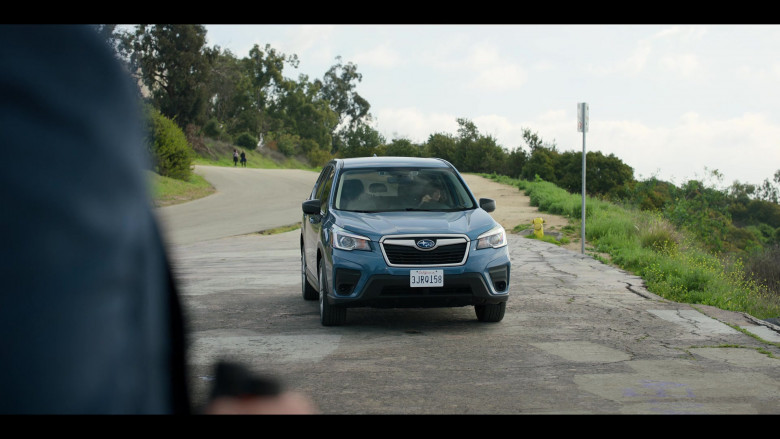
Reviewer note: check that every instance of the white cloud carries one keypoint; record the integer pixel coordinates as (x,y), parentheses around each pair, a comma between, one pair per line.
(383,56)
(631,65)
(681,33)
(412,124)
(684,65)
(500,78)
(494,71)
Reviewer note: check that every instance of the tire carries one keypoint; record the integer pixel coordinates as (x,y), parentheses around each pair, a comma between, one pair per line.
(330,315)
(491,312)
(308,291)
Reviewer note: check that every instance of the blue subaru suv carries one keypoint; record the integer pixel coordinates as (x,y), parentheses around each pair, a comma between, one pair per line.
(400,232)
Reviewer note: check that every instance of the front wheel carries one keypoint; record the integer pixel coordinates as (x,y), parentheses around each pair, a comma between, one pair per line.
(491,312)
(330,315)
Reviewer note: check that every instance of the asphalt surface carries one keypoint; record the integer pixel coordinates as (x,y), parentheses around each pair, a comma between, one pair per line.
(246,201)
(578,336)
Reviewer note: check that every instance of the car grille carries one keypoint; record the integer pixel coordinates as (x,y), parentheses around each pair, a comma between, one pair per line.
(402,251)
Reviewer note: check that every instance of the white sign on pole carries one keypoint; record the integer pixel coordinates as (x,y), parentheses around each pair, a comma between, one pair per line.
(582,117)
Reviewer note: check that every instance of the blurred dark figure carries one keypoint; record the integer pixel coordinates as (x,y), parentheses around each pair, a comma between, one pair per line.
(243,159)
(90,321)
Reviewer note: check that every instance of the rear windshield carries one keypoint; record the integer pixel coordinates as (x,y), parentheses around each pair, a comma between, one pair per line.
(402,189)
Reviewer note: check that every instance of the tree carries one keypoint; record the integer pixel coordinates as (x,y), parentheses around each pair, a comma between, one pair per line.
(516,160)
(301,111)
(265,69)
(338,88)
(402,148)
(230,95)
(174,65)
(541,164)
(651,194)
(768,191)
(604,174)
(440,145)
(534,142)
(363,141)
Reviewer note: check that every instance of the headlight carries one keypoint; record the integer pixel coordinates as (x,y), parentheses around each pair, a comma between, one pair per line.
(343,240)
(493,238)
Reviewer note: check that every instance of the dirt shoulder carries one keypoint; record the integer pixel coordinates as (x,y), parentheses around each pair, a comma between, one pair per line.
(513,207)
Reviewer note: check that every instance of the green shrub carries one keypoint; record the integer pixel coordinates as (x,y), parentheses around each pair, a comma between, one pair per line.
(171,152)
(318,157)
(212,129)
(657,233)
(764,268)
(246,140)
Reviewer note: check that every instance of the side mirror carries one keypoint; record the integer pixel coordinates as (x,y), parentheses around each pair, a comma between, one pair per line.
(487,204)
(311,207)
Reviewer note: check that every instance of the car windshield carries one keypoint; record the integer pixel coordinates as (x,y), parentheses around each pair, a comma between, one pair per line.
(402,189)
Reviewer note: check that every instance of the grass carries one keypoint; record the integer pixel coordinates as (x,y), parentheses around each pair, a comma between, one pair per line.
(282,229)
(168,191)
(671,263)
(217,153)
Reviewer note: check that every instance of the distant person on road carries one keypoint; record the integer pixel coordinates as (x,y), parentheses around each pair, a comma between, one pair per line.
(90,317)
(243,159)
(235,157)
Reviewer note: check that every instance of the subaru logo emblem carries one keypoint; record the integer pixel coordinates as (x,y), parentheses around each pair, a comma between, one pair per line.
(426,244)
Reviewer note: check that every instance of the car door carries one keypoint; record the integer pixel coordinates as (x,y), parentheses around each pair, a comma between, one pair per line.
(312,224)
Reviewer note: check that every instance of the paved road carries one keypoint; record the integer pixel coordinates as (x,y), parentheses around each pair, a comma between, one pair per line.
(578,336)
(247,201)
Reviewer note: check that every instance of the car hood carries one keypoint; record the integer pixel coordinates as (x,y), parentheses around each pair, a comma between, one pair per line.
(375,225)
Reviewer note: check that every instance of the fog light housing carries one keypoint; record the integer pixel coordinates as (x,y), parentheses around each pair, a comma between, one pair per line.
(499,277)
(346,280)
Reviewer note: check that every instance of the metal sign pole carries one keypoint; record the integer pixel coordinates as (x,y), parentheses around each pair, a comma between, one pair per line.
(583,193)
(582,126)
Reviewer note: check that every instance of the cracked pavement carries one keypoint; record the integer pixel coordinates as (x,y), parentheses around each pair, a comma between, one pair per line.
(578,337)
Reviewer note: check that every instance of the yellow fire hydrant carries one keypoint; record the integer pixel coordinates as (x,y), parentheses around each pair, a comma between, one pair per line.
(539,227)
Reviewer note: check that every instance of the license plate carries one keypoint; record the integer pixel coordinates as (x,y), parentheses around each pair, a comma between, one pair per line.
(426,278)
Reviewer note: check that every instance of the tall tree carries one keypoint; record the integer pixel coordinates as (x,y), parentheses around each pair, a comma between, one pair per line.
(402,148)
(265,68)
(230,95)
(338,88)
(476,152)
(604,174)
(533,141)
(541,164)
(174,65)
(516,160)
(768,191)
(302,112)
(363,141)
(441,145)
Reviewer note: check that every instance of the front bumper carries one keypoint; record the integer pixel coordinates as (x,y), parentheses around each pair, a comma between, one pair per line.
(363,279)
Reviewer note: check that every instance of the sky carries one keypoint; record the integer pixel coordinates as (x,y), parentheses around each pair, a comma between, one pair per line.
(674,102)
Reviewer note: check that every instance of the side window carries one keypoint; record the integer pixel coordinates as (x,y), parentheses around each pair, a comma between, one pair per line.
(318,185)
(323,193)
